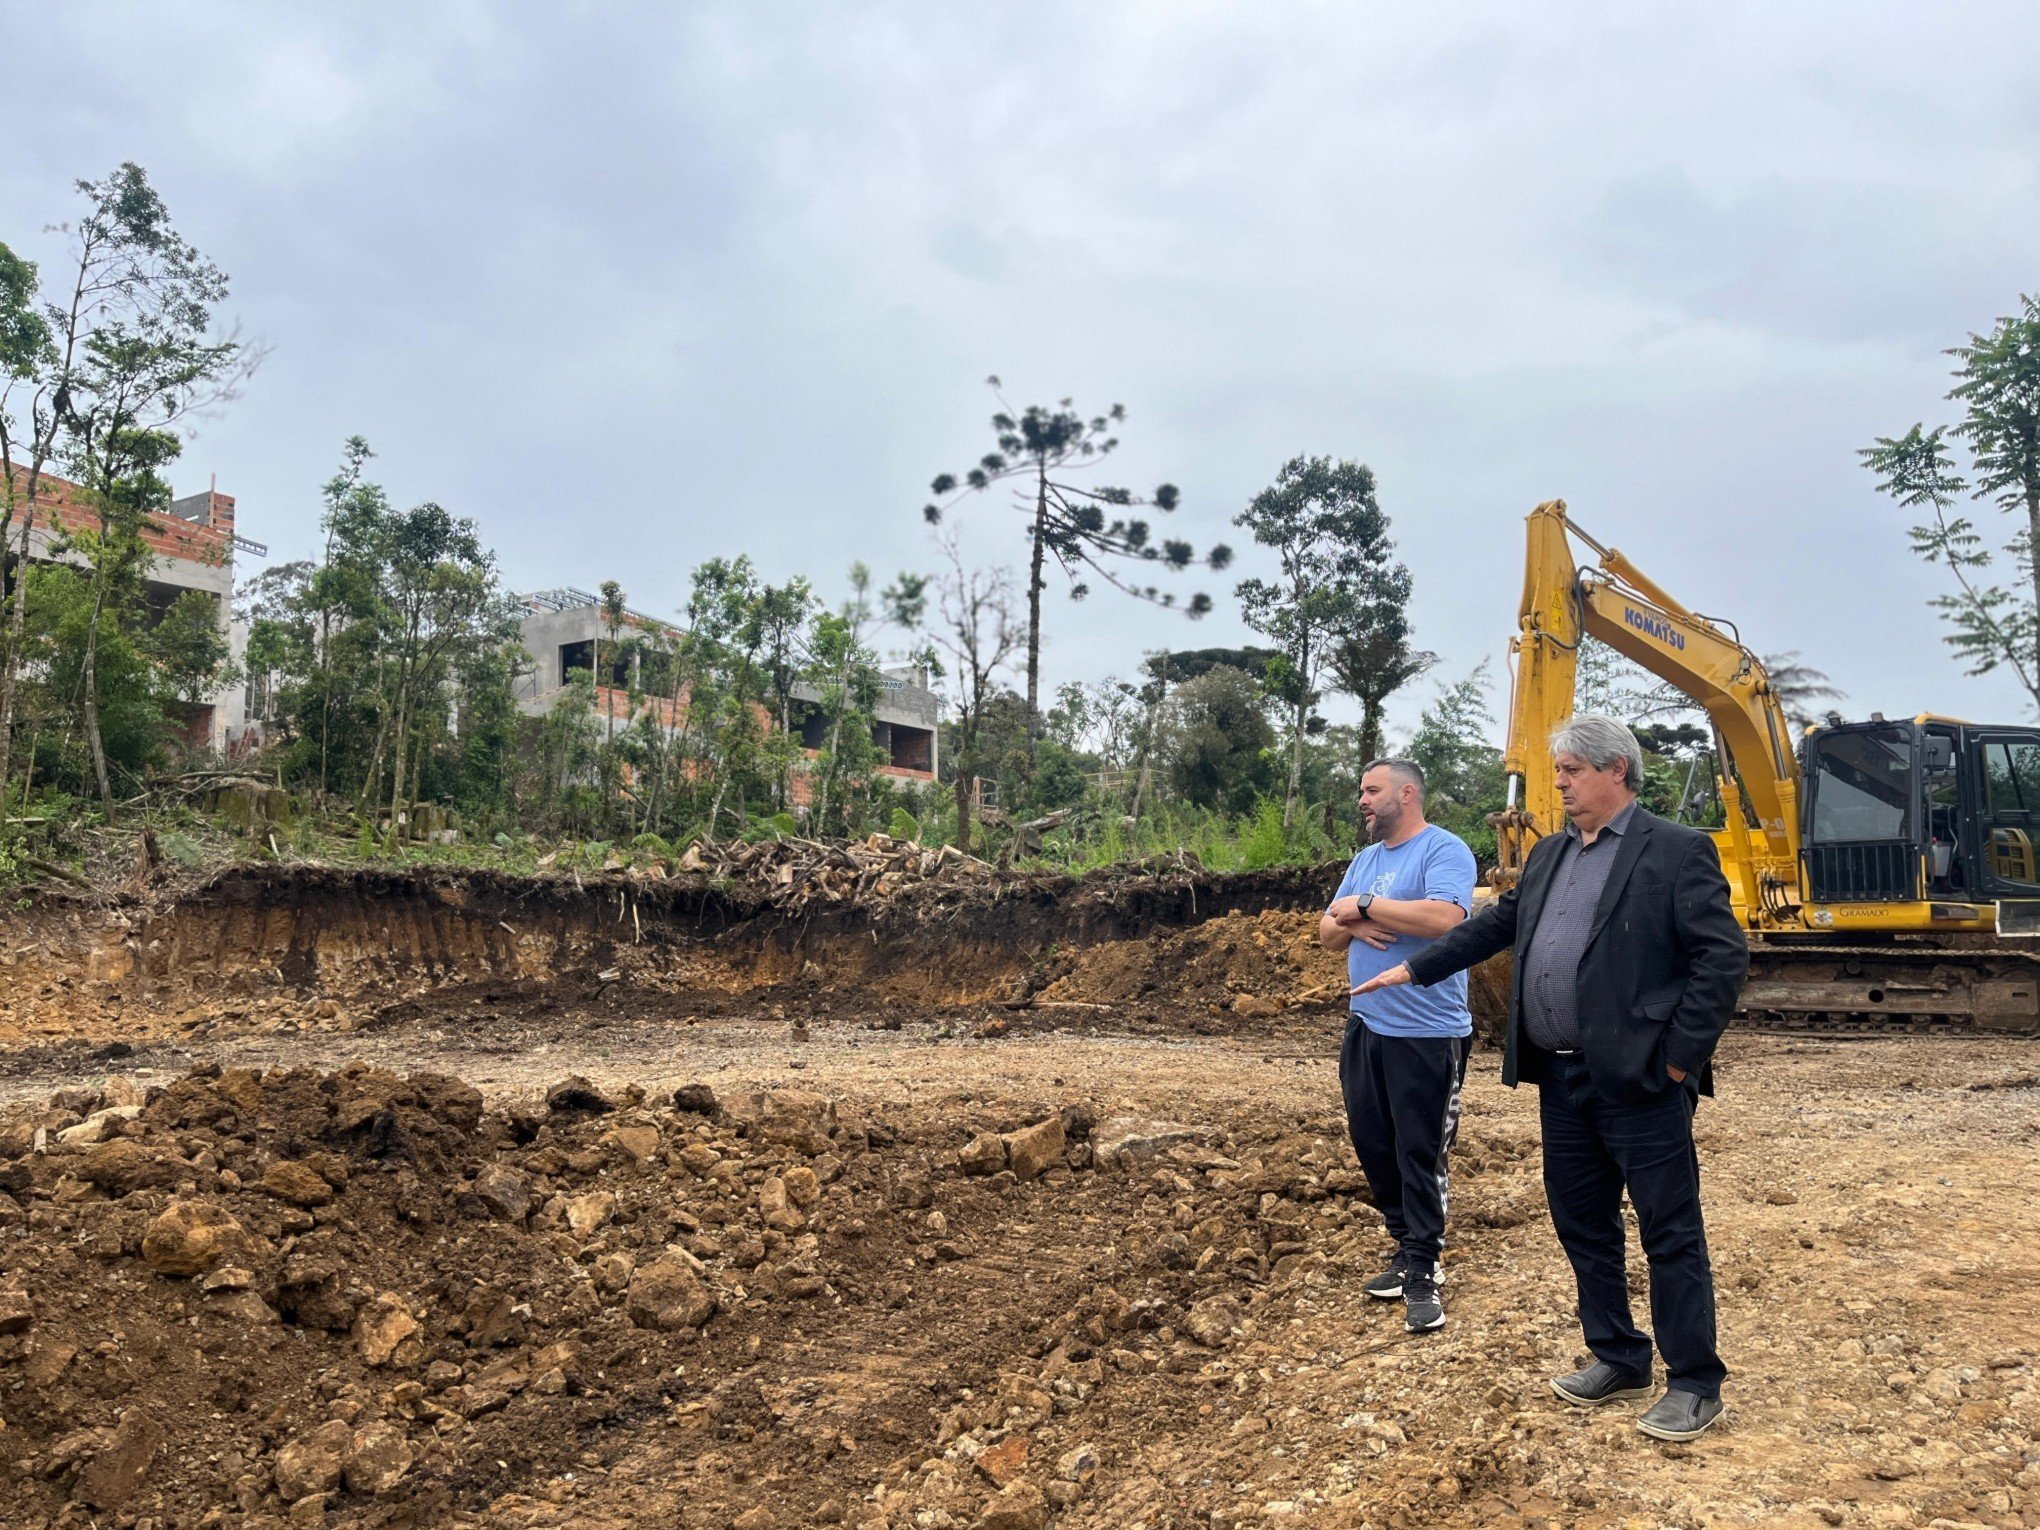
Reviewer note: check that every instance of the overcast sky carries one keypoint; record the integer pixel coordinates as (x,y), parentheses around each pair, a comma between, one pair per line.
(637,285)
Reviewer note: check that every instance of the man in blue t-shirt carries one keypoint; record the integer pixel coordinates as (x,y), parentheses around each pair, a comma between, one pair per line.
(1405,1052)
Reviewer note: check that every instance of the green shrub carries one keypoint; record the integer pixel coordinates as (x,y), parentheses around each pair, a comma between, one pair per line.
(1263,841)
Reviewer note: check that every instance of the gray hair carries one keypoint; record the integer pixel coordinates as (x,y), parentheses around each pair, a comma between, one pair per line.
(1601,741)
(1402,772)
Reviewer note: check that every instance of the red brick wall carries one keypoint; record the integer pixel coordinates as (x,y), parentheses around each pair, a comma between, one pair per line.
(614,701)
(61,504)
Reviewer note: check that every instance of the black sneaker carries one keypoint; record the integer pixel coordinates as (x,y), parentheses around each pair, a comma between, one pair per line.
(1599,1383)
(1422,1311)
(1387,1286)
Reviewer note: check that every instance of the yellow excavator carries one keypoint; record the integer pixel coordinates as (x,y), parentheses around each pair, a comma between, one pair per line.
(1886,871)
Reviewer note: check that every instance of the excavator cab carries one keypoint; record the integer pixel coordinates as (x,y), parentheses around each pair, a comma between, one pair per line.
(1930,810)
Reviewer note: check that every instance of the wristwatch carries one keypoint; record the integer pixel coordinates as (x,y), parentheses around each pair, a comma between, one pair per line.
(1366,901)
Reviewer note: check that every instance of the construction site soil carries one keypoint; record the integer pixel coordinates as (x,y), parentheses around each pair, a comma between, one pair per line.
(337,1199)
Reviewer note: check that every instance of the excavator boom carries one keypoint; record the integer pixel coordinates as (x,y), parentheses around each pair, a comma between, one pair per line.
(1919,863)
(1615,603)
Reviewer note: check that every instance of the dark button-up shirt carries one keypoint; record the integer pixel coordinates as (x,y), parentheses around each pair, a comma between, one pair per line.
(1551,967)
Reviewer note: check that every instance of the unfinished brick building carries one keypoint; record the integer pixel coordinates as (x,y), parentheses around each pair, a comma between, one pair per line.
(193,542)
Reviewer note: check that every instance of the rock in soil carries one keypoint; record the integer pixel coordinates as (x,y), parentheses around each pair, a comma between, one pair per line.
(387,1333)
(983,1154)
(577,1096)
(297,1183)
(1031,1152)
(1130,1143)
(377,1458)
(188,1238)
(117,1472)
(1019,1507)
(668,1294)
(313,1461)
(696,1099)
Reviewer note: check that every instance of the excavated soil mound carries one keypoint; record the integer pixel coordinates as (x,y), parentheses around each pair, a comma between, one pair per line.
(1255,966)
(352,1298)
(1213,975)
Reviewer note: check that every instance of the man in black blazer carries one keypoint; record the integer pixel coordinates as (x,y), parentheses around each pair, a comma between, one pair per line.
(1628,961)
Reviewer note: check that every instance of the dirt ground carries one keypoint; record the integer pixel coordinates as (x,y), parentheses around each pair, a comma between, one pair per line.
(672,1247)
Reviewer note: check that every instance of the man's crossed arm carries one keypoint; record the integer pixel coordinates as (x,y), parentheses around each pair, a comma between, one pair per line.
(1385,919)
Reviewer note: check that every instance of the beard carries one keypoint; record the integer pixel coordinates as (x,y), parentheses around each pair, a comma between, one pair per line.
(1387,818)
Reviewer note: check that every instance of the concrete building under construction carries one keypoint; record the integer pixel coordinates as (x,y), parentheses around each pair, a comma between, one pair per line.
(564,630)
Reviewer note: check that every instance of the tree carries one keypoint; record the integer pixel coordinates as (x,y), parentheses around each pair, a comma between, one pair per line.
(343,599)
(1326,528)
(567,746)
(26,352)
(1188,664)
(844,672)
(189,648)
(979,635)
(1675,740)
(614,614)
(441,609)
(63,615)
(1462,768)
(720,649)
(1610,684)
(280,646)
(1995,620)
(1370,662)
(474,769)
(781,615)
(747,647)
(1615,686)
(1220,741)
(1045,453)
(1069,719)
(1102,718)
(127,357)
(1803,691)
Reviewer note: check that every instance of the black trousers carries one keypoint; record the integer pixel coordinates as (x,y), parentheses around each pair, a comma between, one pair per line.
(1402,1110)
(1593,1150)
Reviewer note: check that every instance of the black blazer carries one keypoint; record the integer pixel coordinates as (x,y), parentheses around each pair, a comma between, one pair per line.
(1662,969)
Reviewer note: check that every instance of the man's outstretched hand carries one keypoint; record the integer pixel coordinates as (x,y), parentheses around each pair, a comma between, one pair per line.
(1395,977)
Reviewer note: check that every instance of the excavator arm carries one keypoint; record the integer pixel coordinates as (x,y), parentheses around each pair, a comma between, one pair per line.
(1615,603)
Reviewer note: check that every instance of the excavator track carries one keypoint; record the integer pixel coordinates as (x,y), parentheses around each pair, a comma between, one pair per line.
(1843,991)
(1957,986)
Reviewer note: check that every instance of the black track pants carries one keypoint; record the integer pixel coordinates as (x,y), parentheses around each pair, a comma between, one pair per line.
(1402,1109)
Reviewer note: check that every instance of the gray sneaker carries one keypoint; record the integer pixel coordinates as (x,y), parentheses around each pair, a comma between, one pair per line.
(1678,1416)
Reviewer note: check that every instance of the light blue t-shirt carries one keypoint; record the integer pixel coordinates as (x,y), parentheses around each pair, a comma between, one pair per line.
(1432,864)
